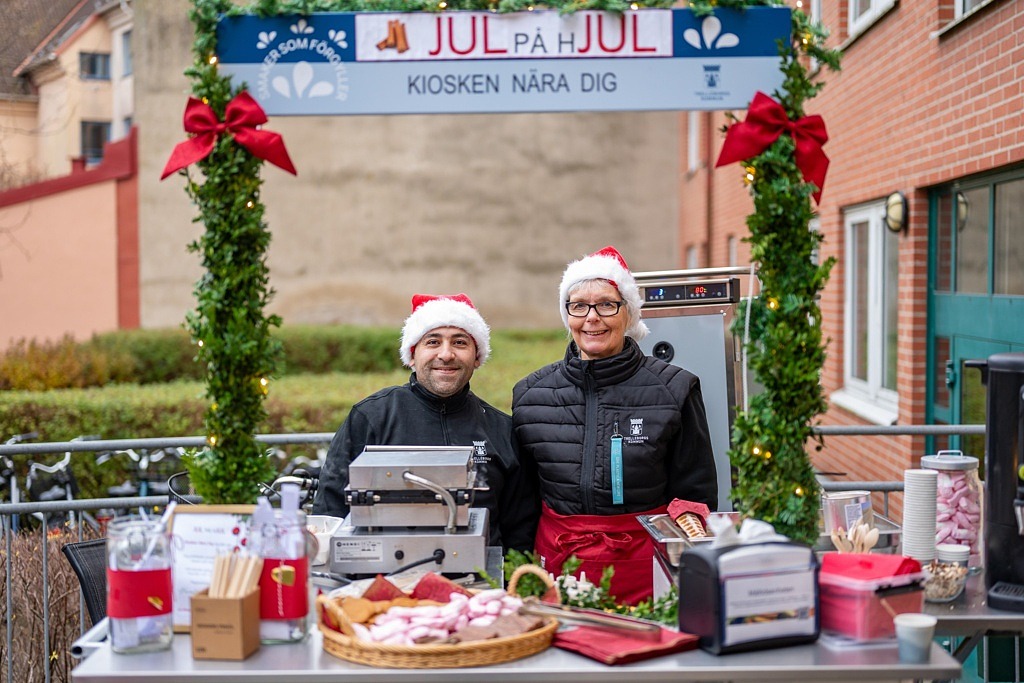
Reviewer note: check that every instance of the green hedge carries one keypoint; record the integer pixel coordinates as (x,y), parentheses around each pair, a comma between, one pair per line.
(296,403)
(166,355)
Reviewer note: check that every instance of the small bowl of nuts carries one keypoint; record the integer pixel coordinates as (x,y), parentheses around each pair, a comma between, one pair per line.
(944,580)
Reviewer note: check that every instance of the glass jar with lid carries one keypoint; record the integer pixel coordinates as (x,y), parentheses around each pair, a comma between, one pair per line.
(958,501)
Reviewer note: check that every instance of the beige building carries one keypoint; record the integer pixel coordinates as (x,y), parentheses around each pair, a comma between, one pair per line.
(68,202)
(382,207)
(67,84)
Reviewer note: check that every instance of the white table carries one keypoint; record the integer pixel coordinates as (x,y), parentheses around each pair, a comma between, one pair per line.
(307,662)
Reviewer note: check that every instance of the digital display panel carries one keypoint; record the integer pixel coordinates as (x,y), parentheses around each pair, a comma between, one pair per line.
(694,291)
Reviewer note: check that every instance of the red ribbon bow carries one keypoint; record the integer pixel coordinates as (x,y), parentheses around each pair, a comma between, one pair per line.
(241,118)
(766,121)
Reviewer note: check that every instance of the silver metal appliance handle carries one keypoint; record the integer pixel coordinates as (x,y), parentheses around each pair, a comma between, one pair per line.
(439,490)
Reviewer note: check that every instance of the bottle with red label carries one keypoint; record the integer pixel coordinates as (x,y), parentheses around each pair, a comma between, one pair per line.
(139,585)
(280,539)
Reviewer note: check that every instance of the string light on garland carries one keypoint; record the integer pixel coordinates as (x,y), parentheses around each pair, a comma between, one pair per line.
(212,440)
(634,7)
(442,5)
(199,343)
(264,386)
(249,204)
(212,60)
(782,349)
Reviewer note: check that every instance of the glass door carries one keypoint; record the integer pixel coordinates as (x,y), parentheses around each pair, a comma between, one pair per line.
(967,393)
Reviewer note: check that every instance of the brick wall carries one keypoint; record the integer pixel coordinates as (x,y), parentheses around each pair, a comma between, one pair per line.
(919,101)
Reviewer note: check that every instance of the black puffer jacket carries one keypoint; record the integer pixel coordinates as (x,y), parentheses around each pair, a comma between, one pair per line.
(409,415)
(564,416)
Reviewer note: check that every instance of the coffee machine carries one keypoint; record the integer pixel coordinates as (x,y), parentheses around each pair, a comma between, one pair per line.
(1003,375)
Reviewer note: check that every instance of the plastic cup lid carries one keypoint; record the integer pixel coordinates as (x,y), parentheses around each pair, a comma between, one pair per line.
(951,552)
(949,460)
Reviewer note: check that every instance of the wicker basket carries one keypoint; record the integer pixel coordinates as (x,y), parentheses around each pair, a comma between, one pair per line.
(435,656)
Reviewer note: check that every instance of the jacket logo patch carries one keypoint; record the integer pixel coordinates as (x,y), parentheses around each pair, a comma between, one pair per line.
(480,455)
(636,431)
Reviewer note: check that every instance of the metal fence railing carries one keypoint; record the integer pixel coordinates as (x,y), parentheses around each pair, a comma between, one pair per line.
(75,510)
(8,511)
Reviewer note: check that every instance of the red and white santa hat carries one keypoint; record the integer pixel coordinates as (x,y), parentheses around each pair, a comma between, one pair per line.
(605,264)
(430,312)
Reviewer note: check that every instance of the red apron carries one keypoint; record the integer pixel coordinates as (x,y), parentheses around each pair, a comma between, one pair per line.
(599,541)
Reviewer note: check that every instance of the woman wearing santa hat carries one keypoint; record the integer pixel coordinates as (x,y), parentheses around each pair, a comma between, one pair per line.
(613,433)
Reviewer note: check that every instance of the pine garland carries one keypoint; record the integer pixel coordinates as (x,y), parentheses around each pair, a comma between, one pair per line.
(228,326)
(786,351)
(774,479)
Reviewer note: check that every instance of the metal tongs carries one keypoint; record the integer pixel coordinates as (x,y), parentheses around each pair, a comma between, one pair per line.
(593,617)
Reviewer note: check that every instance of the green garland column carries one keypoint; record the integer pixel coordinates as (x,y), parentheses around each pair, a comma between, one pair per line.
(774,478)
(228,326)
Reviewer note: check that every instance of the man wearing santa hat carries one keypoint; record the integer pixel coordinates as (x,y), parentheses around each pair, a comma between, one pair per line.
(612,433)
(444,341)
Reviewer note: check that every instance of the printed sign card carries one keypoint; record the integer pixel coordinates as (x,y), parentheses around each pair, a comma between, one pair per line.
(199,533)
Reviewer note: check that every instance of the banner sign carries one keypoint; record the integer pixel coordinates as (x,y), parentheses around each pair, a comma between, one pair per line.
(484,62)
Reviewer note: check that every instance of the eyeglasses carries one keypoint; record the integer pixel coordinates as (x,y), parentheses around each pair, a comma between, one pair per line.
(579,309)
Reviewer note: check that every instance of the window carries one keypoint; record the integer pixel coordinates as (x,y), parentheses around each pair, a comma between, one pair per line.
(693,141)
(863,13)
(814,225)
(965,7)
(126,53)
(94,65)
(980,236)
(972,241)
(815,11)
(692,260)
(94,135)
(1009,238)
(871,310)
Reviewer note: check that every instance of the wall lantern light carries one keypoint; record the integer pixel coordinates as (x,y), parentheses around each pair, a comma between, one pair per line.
(896,212)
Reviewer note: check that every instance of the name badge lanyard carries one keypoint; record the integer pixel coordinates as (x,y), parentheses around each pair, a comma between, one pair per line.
(616,452)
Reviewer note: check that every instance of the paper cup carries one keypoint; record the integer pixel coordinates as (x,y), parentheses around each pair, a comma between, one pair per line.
(914,633)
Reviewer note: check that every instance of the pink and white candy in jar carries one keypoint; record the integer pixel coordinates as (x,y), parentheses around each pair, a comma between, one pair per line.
(958,502)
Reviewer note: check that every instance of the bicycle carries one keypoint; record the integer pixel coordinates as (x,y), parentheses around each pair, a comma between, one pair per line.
(147,481)
(46,483)
(9,474)
(303,471)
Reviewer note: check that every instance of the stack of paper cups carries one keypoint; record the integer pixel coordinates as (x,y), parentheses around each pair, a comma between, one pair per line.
(919,489)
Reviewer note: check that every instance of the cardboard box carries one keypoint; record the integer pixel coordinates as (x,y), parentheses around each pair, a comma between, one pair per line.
(225,628)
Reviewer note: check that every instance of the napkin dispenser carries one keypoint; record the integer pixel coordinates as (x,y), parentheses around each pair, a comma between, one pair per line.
(749,596)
